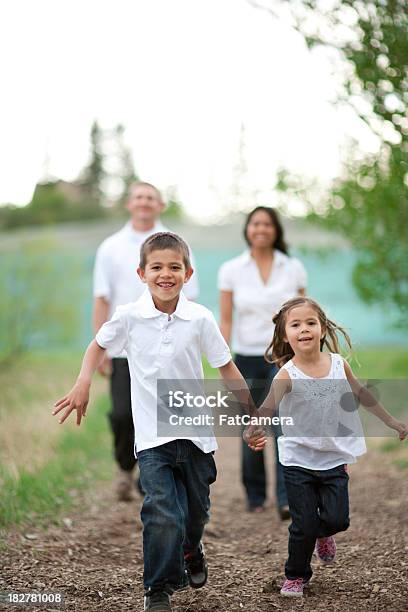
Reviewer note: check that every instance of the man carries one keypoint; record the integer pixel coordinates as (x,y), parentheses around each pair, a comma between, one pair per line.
(116,282)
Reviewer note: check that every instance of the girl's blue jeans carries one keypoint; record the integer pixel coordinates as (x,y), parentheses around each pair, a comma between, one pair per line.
(319,507)
(176,479)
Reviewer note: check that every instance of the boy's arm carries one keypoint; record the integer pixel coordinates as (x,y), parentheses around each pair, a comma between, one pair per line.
(253,435)
(371,404)
(237,384)
(100,315)
(78,398)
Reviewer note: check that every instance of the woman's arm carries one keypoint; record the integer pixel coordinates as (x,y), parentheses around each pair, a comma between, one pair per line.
(371,404)
(226,307)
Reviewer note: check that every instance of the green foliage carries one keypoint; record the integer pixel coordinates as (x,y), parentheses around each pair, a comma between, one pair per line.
(81,456)
(369,203)
(93,174)
(36,303)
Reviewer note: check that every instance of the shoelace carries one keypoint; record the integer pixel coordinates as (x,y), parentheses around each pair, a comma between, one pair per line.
(294,585)
(326,548)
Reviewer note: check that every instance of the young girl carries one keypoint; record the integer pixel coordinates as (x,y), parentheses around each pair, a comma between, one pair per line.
(314,383)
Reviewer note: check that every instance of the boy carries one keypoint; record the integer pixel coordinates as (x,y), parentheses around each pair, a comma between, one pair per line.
(164,336)
(116,283)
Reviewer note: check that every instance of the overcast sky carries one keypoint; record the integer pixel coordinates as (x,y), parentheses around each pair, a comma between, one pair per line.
(183,76)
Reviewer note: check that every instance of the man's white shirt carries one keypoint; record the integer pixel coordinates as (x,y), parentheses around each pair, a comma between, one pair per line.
(115,276)
(162,346)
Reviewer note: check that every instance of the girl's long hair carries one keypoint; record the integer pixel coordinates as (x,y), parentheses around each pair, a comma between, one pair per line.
(280,240)
(280,352)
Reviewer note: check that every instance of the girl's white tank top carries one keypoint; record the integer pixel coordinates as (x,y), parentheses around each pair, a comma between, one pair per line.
(326,430)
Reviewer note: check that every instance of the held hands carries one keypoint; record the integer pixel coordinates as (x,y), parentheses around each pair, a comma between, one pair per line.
(77,399)
(255,437)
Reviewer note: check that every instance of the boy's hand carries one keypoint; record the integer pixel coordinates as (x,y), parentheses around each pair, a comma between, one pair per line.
(77,399)
(401,428)
(255,437)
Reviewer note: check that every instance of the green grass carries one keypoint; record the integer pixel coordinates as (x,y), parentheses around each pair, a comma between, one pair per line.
(381,363)
(81,455)
(78,456)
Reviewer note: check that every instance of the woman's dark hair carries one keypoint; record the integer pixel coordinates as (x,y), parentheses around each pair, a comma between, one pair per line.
(280,241)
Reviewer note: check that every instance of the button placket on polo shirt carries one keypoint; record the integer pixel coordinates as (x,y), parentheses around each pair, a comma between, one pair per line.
(166,346)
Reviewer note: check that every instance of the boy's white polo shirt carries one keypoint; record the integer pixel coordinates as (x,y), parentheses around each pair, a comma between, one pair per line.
(160,346)
(116,262)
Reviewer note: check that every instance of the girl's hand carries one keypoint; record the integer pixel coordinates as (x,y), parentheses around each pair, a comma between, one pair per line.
(255,437)
(77,399)
(402,429)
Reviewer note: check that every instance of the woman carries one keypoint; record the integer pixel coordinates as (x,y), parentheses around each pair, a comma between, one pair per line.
(252,288)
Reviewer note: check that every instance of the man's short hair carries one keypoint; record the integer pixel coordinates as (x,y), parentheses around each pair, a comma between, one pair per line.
(144,184)
(161,241)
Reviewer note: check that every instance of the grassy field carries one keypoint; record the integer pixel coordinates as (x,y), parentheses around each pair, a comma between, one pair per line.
(43,465)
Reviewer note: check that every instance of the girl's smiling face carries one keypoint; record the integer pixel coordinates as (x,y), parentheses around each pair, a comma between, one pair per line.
(303,329)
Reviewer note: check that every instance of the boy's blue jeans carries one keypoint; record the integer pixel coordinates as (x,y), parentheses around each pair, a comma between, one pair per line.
(319,507)
(176,479)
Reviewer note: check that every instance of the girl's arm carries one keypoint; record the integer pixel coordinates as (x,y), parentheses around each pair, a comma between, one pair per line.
(78,398)
(371,404)
(226,307)
(254,435)
(281,385)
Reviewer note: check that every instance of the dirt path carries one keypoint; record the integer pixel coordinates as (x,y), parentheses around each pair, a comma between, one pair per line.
(97,560)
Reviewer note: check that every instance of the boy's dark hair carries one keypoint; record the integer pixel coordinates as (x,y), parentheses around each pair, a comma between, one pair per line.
(162,241)
(279,243)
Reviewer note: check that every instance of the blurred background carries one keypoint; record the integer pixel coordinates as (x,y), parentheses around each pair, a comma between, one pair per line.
(223,105)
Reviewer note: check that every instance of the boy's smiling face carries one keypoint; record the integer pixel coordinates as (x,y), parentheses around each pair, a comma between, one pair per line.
(165,274)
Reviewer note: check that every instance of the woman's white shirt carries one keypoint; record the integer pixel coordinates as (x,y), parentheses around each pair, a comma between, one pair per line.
(254,301)
(327,430)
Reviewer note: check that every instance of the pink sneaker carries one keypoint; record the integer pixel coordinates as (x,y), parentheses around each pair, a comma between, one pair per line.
(293,588)
(326,550)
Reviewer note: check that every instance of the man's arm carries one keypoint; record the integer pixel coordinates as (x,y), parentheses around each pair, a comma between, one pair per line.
(100,315)
(371,404)
(78,398)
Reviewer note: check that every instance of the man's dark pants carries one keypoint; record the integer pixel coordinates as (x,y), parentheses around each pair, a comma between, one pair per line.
(176,479)
(120,416)
(319,507)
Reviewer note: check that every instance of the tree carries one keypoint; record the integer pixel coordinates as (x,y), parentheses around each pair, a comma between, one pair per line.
(93,175)
(369,202)
(127,172)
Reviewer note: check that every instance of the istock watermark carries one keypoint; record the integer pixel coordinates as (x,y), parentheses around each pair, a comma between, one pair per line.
(315,408)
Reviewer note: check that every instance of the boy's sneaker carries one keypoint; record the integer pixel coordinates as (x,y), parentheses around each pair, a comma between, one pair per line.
(196,567)
(157,601)
(326,550)
(293,588)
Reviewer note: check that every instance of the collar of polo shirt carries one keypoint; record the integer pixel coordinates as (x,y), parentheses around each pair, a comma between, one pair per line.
(148,310)
(278,257)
